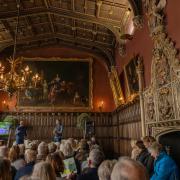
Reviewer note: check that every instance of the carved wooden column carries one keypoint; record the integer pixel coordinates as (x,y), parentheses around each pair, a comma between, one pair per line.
(140,72)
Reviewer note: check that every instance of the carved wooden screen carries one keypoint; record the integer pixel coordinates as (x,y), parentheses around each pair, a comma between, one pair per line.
(162,98)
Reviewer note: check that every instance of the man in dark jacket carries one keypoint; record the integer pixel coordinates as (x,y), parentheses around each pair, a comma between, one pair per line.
(148,140)
(94,160)
(30,157)
(20,133)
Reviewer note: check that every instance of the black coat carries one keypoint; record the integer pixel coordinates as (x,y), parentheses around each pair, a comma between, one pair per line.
(147,160)
(91,174)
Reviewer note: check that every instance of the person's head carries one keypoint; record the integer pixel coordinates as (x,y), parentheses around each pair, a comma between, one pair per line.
(133,143)
(155,149)
(83,145)
(30,155)
(43,170)
(3,151)
(93,140)
(140,146)
(95,158)
(148,140)
(21,123)
(52,147)
(56,161)
(67,149)
(14,153)
(73,143)
(42,149)
(128,169)
(21,149)
(58,122)
(105,169)
(5,169)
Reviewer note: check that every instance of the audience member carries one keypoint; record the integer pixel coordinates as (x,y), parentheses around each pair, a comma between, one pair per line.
(135,151)
(5,169)
(14,157)
(43,171)
(3,151)
(52,147)
(143,153)
(42,152)
(94,160)
(57,163)
(30,158)
(105,169)
(148,140)
(67,150)
(164,166)
(128,169)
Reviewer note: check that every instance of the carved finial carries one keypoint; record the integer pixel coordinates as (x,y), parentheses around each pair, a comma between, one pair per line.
(122,49)
(140,65)
(138,22)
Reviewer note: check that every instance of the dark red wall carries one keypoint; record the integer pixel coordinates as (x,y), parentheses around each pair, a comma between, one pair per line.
(142,43)
(101,86)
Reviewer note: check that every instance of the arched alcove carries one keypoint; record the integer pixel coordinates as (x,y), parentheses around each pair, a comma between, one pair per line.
(171,141)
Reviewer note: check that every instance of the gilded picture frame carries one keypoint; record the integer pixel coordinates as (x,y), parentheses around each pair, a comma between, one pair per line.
(53,107)
(131,78)
(116,87)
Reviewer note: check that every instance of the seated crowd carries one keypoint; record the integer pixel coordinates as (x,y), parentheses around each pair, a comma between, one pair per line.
(35,160)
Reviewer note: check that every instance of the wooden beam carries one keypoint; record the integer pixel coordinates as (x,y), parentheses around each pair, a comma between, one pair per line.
(82,17)
(69,41)
(98,7)
(72,5)
(85,7)
(51,23)
(47,4)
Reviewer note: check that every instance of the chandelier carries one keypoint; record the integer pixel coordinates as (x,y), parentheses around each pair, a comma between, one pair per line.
(13,77)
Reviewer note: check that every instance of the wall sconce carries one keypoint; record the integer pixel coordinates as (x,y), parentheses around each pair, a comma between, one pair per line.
(101,106)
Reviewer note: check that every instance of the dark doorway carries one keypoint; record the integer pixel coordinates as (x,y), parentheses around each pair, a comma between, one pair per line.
(171,141)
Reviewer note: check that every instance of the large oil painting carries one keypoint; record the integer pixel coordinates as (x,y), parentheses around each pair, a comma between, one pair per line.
(58,84)
(132,76)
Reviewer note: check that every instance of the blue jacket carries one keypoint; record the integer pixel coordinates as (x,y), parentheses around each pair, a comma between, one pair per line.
(26,170)
(165,168)
(20,133)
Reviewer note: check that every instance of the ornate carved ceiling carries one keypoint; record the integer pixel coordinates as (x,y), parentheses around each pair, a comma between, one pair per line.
(93,25)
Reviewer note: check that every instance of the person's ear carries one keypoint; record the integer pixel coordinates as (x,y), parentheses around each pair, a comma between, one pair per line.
(89,162)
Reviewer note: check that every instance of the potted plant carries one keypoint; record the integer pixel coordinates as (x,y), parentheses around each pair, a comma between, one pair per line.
(81,122)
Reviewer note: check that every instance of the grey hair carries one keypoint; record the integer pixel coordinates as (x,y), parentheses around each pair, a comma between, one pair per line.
(96,156)
(105,169)
(126,168)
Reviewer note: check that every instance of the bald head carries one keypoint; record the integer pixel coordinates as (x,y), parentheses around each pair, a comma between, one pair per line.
(128,169)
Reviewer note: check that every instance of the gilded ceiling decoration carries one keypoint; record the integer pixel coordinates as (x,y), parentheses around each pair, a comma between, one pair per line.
(93,25)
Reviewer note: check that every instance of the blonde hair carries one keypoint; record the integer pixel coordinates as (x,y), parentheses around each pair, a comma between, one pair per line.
(105,169)
(14,153)
(156,147)
(52,147)
(67,149)
(133,142)
(43,170)
(42,149)
(30,155)
(149,139)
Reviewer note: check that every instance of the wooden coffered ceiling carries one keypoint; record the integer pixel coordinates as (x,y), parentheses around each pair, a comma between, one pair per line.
(91,25)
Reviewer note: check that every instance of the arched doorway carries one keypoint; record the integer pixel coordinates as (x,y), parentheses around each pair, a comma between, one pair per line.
(171,141)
